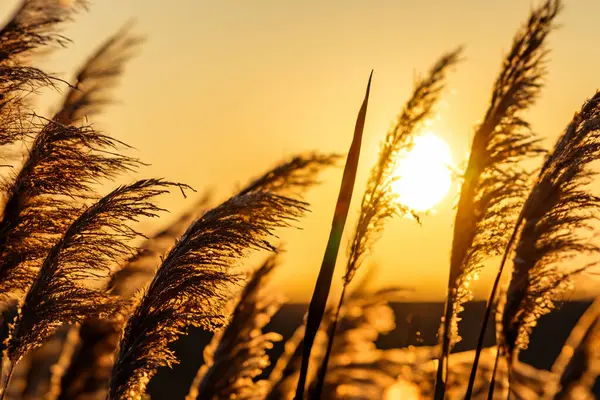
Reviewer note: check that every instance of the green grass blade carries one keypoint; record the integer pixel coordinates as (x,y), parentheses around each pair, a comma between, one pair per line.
(323,285)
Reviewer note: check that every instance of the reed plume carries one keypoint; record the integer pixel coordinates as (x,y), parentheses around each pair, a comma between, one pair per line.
(193,284)
(293,176)
(284,376)
(34,26)
(91,364)
(527,382)
(549,231)
(85,98)
(31,376)
(139,269)
(93,242)
(379,202)
(355,362)
(44,197)
(236,355)
(34,375)
(283,379)
(90,91)
(556,212)
(494,184)
(68,337)
(289,178)
(64,161)
(89,358)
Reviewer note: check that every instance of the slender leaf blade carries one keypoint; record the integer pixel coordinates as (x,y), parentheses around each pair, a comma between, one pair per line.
(318,302)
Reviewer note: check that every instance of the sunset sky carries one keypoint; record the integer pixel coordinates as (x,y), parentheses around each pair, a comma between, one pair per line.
(222,90)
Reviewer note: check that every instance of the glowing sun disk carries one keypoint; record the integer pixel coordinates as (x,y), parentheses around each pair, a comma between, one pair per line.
(423,174)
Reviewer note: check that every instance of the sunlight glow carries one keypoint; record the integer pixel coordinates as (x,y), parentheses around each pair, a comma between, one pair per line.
(424,174)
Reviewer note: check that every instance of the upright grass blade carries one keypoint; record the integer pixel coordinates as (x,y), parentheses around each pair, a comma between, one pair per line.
(358,369)
(284,376)
(379,202)
(323,285)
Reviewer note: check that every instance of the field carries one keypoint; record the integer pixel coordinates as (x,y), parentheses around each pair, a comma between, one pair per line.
(97,306)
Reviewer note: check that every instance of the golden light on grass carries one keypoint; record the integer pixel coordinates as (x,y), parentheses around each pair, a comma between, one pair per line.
(68,260)
(424,174)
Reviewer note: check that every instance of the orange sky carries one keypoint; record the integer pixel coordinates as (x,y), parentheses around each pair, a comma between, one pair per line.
(224,89)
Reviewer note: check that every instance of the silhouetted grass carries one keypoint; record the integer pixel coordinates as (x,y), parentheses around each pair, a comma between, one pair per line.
(236,356)
(379,202)
(556,212)
(109,309)
(58,294)
(193,284)
(318,301)
(495,183)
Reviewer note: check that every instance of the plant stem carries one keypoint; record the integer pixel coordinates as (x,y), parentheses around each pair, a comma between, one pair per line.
(493,378)
(318,302)
(442,370)
(488,309)
(6,375)
(330,338)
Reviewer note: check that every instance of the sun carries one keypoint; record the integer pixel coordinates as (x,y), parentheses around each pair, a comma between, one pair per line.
(424,174)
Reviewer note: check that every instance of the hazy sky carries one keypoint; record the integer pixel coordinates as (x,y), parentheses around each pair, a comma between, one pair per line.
(224,89)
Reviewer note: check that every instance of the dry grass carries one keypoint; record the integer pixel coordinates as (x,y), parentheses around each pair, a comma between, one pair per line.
(89,371)
(193,284)
(379,202)
(58,294)
(73,279)
(89,92)
(494,182)
(34,26)
(318,301)
(558,208)
(236,356)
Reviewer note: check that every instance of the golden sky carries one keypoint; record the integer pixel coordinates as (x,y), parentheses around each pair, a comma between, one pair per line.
(224,89)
